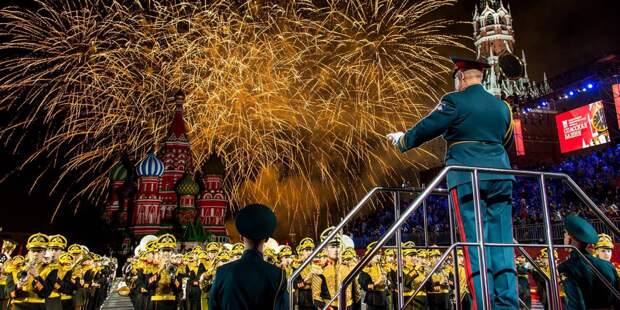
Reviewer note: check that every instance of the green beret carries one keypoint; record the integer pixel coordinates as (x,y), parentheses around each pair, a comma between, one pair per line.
(580,229)
(256,222)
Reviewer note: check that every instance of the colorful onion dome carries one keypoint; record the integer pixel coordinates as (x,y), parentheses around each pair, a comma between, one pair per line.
(187,186)
(118,173)
(151,166)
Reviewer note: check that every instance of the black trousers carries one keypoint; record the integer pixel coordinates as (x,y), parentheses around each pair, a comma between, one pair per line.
(28,306)
(164,305)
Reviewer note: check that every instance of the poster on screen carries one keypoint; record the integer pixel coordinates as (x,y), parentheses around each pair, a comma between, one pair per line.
(582,127)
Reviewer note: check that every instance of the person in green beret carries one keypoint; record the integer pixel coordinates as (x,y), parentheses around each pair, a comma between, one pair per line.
(584,290)
(478,128)
(250,283)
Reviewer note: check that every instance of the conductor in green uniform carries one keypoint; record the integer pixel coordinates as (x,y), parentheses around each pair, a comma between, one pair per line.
(478,128)
(250,282)
(584,290)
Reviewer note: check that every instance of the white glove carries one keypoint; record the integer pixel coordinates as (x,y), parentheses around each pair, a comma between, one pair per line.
(395,137)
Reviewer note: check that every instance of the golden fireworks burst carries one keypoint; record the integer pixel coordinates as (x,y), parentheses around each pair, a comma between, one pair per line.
(295,96)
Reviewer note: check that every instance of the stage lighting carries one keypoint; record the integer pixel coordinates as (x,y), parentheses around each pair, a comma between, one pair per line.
(570,93)
(590,85)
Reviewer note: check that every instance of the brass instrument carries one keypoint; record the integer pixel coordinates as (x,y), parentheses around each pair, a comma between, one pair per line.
(8,247)
(26,270)
(206,279)
(166,266)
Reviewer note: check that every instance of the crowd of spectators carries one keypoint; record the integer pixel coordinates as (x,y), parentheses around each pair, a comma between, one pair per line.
(598,175)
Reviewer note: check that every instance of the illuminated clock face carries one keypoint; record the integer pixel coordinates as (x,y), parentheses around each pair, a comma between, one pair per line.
(598,119)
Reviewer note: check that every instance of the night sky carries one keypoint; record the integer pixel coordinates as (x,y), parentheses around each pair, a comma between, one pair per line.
(557,35)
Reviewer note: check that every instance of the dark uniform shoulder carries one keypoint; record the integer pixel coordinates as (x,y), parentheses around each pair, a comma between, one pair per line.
(451,96)
(603,265)
(272,269)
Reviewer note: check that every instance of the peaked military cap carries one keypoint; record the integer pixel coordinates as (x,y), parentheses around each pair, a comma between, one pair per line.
(57,241)
(14,264)
(371,246)
(285,251)
(348,253)
(580,229)
(237,249)
(337,240)
(463,64)
(75,249)
(212,247)
(223,256)
(305,244)
(66,259)
(166,241)
(203,255)
(151,246)
(37,240)
(256,221)
(407,248)
(604,241)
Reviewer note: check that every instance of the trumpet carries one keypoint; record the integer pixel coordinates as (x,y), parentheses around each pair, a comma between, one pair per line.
(26,270)
(167,266)
(206,279)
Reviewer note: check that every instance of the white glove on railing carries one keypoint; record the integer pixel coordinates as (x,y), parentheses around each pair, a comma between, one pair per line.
(395,137)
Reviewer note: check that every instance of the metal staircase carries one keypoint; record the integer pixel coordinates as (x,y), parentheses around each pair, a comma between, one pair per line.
(420,202)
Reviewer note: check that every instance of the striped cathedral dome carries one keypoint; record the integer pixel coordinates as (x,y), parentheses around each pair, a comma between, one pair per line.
(151,166)
(187,186)
(118,173)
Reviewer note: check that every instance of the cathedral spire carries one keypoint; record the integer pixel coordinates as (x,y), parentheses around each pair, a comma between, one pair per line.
(177,129)
(492,4)
(524,65)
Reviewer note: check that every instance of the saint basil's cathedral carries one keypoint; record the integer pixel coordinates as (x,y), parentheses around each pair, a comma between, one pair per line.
(166,195)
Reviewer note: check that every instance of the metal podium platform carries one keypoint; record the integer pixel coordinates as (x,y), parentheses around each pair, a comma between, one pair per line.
(394,232)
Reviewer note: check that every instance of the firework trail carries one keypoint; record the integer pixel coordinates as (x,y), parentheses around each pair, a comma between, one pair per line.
(294,96)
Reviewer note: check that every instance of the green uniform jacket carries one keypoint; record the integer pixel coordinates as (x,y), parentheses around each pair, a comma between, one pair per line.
(249,283)
(584,290)
(478,128)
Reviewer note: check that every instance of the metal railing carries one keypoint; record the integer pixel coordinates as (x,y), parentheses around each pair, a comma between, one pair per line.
(480,244)
(535,232)
(360,205)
